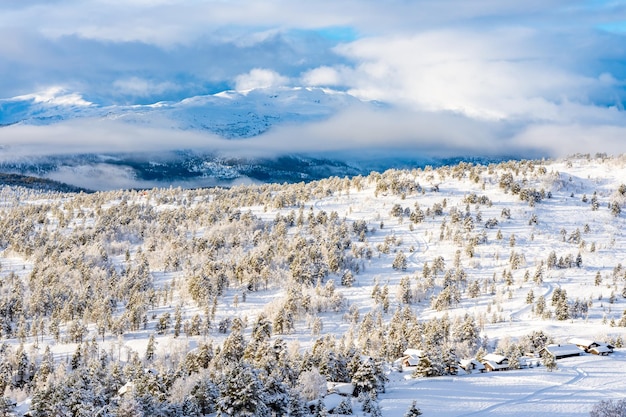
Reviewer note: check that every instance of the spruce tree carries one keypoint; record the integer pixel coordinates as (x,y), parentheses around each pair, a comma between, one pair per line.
(549,361)
(150,348)
(413,411)
(424,368)
(242,393)
(344,408)
(365,379)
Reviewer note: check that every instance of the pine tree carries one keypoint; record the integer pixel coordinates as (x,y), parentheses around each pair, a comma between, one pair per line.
(424,368)
(276,393)
(178,320)
(404,291)
(400,262)
(296,406)
(242,393)
(549,361)
(413,411)
(233,348)
(7,407)
(319,410)
(344,408)
(347,279)
(364,379)
(150,348)
(540,305)
(205,394)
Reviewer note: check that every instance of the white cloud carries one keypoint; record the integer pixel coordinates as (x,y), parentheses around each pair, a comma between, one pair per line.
(504,73)
(325,76)
(97,136)
(140,87)
(562,140)
(453,72)
(56,95)
(259,78)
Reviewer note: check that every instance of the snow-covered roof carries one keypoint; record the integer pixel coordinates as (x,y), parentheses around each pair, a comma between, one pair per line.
(494,357)
(411,360)
(562,350)
(416,353)
(579,341)
(342,388)
(600,349)
(471,363)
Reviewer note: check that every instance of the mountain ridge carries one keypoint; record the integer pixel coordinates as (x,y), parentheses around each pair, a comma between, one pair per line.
(230,114)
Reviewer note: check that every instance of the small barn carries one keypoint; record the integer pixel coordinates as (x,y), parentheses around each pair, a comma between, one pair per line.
(494,362)
(593,347)
(560,351)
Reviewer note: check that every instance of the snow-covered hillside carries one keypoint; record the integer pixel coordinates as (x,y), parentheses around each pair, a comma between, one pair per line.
(229,114)
(162,301)
(140,160)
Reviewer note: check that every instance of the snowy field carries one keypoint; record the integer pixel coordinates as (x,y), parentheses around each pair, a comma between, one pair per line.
(572,390)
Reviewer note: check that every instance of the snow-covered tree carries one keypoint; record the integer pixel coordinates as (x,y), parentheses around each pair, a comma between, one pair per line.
(150,348)
(242,393)
(400,262)
(549,361)
(413,410)
(609,408)
(312,384)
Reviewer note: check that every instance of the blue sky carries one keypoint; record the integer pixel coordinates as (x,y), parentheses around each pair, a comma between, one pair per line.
(545,74)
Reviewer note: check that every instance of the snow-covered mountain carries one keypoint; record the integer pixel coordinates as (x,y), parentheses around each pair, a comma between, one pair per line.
(230,114)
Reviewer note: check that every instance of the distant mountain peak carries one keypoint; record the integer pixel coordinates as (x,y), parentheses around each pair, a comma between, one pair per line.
(230,114)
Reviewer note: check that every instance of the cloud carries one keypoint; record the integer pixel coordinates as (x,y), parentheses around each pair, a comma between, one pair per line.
(140,87)
(454,76)
(562,140)
(325,76)
(97,136)
(493,74)
(56,96)
(259,78)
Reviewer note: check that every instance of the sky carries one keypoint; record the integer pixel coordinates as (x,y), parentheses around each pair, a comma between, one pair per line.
(539,77)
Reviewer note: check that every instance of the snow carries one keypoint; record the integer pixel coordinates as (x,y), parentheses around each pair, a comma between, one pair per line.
(567,349)
(231,114)
(571,390)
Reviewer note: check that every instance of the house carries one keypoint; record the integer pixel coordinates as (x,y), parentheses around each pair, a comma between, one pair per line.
(560,351)
(495,362)
(345,389)
(471,365)
(603,349)
(410,358)
(593,347)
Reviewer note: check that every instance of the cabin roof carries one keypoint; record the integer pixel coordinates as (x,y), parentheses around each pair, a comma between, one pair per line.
(494,357)
(562,350)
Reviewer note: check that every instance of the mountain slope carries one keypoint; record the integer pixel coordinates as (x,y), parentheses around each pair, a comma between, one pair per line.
(230,114)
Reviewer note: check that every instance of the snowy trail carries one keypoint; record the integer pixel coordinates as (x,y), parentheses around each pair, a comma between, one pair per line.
(539,395)
(516,315)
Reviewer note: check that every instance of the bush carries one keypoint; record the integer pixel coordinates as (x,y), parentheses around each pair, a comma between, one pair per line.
(609,408)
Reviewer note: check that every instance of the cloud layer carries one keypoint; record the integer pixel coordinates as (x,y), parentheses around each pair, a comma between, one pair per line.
(485,76)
